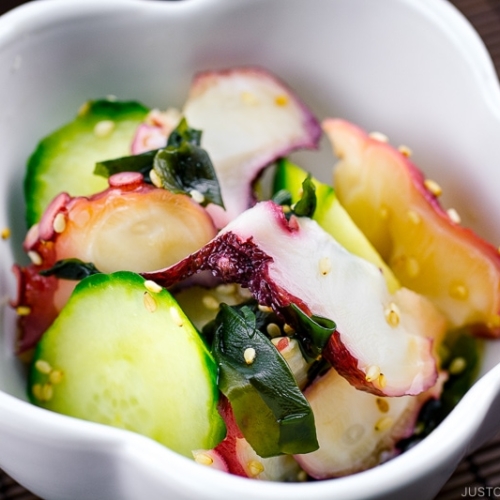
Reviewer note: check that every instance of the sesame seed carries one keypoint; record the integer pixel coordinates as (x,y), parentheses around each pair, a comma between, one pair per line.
(249,355)
(149,302)
(265,309)
(255,467)
(84,109)
(36,390)
(405,150)
(414,217)
(104,128)
(5,233)
(23,310)
(458,291)
(43,366)
(245,293)
(197,196)
(203,458)
(249,98)
(302,476)
(152,286)
(59,224)
(433,187)
(35,257)
(281,100)
(226,289)
(392,314)
(210,302)
(176,316)
(384,424)
(378,136)
(325,266)
(412,267)
(457,366)
(384,212)
(286,209)
(288,329)
(55,377)
(382,405)
(353,434)
(382,381)
(273,330)
(155,178)
(46,392)
(454,216)
(372,373)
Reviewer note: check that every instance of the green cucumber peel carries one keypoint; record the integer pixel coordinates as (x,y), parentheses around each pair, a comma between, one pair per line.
(182,166)
(269,408)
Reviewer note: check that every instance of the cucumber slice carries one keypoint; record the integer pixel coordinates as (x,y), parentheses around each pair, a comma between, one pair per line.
(332,217)
(65,160)
(122,354)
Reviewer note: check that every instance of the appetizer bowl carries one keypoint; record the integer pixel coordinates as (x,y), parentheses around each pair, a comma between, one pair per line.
(412,69)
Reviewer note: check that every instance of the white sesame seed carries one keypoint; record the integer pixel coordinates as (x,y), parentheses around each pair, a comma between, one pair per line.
(457,366)
(405,150)
(353,434)
(325,265)
(412,267)
(433,187)
(289,330)
(226,289)
(379,136)
(392,314)
(47,392)
(152,286)
(59,224)
(210,302)
(372,373)
(302,476)
(149,302)
(155,178)
(255,467)
(384,424)
(35,257)
(176,316)
(5,233)
(249,98)
(265,309)
(249,355)
(382,405)
(197,196)
(384,212)
(414,217)
(43,366)
(84,109)
(104,128)
(55,377)
(453,215)
(458,291)
(23,310)
(203,458)
(36,390)
(281,100)
(382,381)
(273,330)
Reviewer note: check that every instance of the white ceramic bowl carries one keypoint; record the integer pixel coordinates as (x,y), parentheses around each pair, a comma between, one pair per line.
(413,69)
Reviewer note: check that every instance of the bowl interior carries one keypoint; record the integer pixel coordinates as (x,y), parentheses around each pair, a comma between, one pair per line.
(413,70)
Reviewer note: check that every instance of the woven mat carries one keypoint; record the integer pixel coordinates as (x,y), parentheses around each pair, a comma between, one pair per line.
(479,473)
